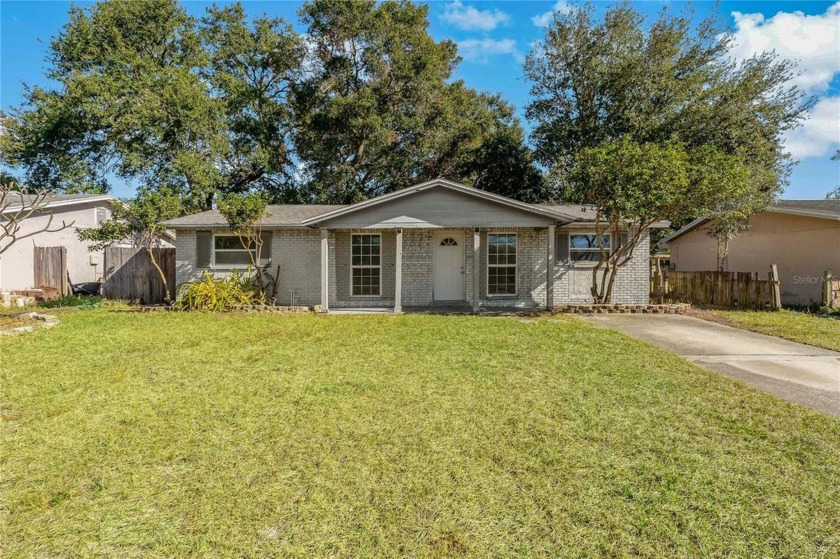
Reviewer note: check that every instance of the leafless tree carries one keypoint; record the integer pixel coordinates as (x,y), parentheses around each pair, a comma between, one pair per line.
(16,206)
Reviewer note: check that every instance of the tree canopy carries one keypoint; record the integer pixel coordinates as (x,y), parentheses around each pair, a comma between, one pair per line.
(598,80)
(653,120)
(360,103)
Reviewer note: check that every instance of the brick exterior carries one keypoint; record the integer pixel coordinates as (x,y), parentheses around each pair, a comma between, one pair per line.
(532,253)
(298,253)
(340,271)
(572,284)
(185,268)
(417,267)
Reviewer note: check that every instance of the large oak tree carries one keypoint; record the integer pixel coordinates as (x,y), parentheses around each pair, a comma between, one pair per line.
(359,104)
(609,91)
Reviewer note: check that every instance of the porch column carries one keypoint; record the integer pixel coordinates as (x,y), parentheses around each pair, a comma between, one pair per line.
(476,302)
(325,272)
(549,271)
(398,274)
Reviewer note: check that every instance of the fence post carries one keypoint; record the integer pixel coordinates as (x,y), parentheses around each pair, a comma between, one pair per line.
(775,290)
(826,288)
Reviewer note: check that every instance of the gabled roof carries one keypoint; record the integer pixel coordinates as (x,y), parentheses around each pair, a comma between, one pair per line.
(441,183)
(820,209)
(18,201)
(279,215)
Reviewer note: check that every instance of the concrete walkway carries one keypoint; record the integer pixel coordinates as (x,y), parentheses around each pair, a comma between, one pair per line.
(796,372)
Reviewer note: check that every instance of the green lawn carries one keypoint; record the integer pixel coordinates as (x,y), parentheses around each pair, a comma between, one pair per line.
(242,435)
(791,325)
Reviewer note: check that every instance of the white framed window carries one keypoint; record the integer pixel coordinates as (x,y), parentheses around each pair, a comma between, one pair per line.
(584,247)
(365,264)
(229,252)
(100,216)
(501,264)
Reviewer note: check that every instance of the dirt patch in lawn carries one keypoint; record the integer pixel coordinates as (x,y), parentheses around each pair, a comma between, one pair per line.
(7,322)
(710,315)
(25,322)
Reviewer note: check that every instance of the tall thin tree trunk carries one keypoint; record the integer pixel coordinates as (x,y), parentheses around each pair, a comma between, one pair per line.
(166,295)
(722,251)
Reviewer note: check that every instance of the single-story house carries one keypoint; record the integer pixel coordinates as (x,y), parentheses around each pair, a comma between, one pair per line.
(802,237)
(432,244)
(77,211)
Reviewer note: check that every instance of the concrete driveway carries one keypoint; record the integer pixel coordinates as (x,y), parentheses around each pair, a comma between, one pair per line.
(796,372)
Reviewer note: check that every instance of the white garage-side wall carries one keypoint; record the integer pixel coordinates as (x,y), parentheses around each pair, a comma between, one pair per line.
(17,268)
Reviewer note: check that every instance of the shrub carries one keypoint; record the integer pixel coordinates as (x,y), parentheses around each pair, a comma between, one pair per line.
(232,292)
(86,301)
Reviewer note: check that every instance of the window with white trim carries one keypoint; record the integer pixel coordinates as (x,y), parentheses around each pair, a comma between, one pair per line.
(501,263)
(585,248)
(100,216)
(366,264)
(228,250)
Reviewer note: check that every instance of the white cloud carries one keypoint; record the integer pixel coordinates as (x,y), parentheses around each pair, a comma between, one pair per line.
(820,134)
(813,41)
(480,50)
(469,18)
(544,19)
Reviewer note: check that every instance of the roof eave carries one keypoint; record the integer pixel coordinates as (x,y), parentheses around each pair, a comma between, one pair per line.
(225,226)
(806,212)
(686,229)
(63,203)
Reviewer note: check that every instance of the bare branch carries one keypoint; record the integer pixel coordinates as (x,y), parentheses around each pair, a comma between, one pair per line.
(16,207)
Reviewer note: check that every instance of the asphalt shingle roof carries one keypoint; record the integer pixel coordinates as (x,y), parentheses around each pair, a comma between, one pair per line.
(581,212)
(278,215)
(824,206)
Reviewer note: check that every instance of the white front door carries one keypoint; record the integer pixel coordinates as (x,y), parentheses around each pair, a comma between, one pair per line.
(449,266)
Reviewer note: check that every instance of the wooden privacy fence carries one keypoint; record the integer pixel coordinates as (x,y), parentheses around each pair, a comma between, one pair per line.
(831,290)
(51,268)
(129,274)
(745,290)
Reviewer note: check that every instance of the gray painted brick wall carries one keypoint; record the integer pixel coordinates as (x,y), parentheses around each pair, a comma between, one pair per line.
(532,253)
(298,253)
(572,284)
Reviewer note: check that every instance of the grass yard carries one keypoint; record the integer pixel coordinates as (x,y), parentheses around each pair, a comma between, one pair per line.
(243,435)
(791,325)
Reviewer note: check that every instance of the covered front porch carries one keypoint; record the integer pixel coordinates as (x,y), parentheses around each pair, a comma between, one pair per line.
(437,244)
(449,269)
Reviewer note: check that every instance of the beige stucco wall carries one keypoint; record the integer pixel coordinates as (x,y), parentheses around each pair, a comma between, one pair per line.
(17,266)
(802,248)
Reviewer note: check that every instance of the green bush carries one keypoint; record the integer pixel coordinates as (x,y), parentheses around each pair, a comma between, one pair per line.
(86,301)
(233,292)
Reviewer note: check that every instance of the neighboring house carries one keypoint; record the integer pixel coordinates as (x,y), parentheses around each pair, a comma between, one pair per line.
(436,243)
(802,237)
(17,268)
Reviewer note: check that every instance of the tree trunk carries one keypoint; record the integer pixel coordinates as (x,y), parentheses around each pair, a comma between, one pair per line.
(166,295)
(722,251)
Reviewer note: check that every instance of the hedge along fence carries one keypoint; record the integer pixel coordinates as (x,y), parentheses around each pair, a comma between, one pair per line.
(744,290)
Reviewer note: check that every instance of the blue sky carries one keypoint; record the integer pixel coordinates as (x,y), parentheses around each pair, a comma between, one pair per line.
(493,37)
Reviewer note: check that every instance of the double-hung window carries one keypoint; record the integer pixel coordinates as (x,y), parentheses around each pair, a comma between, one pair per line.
(501,264)
(228,251)
(366,264)
(586,248)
